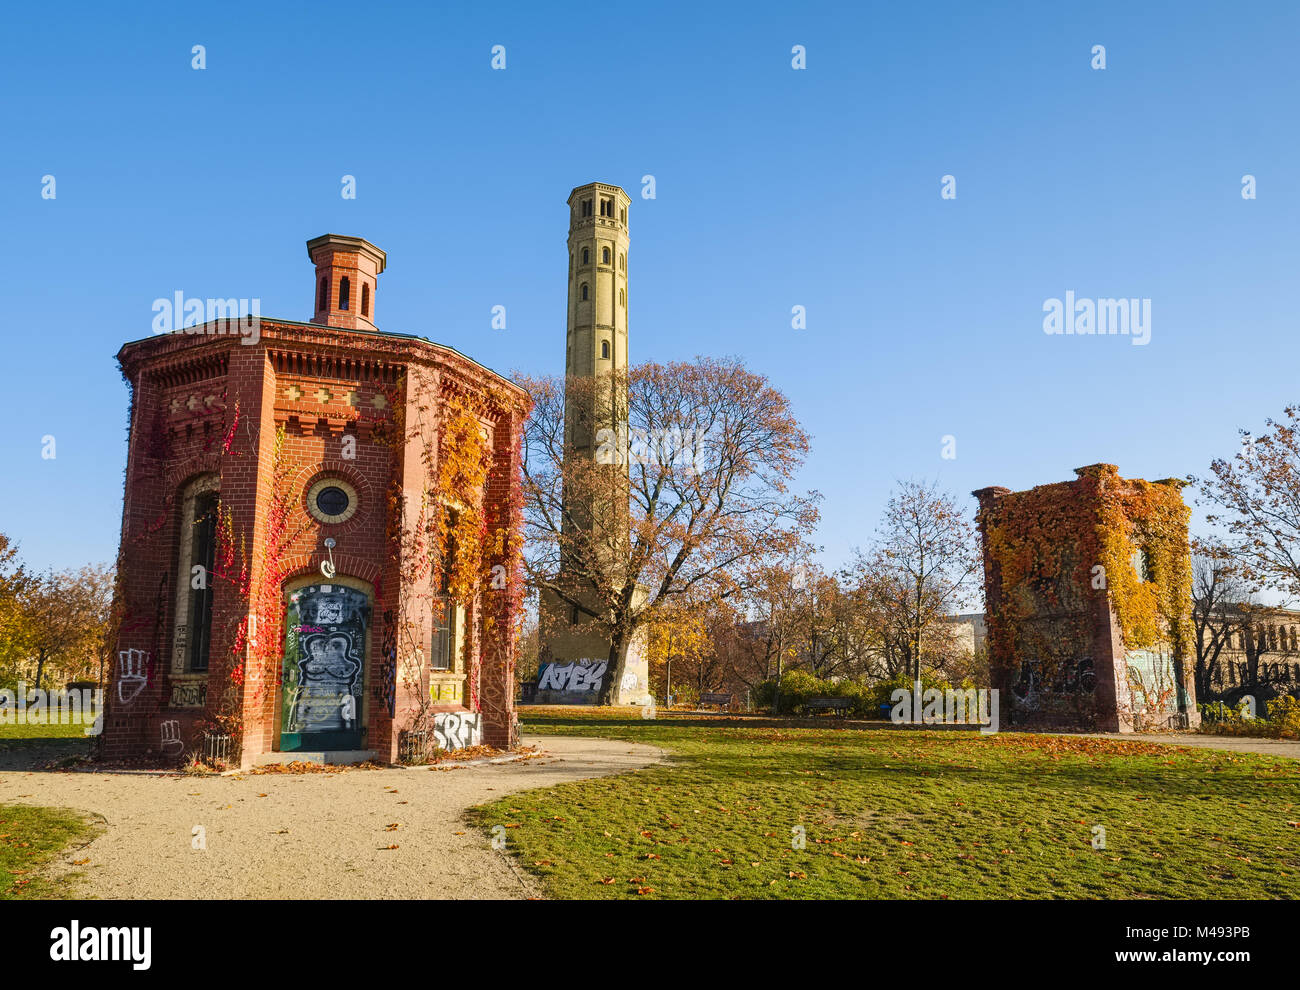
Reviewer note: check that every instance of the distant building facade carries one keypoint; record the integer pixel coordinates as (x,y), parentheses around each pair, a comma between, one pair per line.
(1244,649)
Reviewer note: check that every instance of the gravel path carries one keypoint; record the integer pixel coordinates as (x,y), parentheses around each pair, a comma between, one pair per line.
(312,835)
(1235,744)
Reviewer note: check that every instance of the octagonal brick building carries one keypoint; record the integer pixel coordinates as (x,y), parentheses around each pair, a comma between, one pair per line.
(293,501)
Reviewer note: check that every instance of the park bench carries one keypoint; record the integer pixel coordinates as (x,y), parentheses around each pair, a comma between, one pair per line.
(827,705)
(719,699)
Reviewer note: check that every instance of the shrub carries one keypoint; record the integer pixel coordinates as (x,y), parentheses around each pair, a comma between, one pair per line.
(1282,721)
(799,686)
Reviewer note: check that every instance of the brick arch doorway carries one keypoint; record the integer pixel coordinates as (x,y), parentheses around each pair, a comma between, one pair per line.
(323,678)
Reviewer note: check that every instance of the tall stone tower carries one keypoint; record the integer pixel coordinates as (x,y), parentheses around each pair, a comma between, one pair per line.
(574,649)
(596,352)
(596,335)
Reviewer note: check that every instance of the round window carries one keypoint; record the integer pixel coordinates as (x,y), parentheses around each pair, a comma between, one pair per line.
(332,500)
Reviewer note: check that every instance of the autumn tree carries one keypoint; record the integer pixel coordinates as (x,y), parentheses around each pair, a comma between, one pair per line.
(1254,498)
(14,581)
(681,633)
(689,492)
(61,621)
(772,600)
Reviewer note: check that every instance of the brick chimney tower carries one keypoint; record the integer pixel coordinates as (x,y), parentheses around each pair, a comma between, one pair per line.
(347,271)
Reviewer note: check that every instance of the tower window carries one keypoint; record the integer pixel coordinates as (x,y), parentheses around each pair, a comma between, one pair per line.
(622,262)
(324,295)
(365,298)
(586,257)
(584,291)
(622,217)
(586,207)
(604,256)
(622,300)
(345,292)
(604,349)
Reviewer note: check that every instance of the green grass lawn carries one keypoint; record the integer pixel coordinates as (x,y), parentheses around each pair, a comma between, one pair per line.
(30,837)
(894,813)
(43,732)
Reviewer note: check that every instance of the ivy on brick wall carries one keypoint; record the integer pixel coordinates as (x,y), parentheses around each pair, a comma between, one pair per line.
(1059,546)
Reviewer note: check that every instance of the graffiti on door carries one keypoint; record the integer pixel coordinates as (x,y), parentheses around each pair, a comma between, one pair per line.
(324,664)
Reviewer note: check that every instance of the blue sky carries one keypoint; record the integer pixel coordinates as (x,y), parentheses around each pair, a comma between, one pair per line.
(774,188)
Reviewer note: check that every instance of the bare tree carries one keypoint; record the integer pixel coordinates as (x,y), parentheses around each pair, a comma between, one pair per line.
(921,568)
(1218,619)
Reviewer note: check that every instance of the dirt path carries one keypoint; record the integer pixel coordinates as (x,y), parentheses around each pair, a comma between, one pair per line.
(311,835)
(1235,744)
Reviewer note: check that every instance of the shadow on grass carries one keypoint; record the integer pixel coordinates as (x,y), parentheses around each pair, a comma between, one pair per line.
(40,753)
(1184,773)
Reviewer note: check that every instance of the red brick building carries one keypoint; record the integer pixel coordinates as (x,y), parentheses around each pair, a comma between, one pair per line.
(1087,586)
(289,528)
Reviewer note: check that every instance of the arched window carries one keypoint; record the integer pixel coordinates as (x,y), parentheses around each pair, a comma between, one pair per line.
(622,300)
(324,295)
(604,349)
(192,631)
(586,257)
(622,262)
(345,292)
(365,298)
(604,256)
(584,291)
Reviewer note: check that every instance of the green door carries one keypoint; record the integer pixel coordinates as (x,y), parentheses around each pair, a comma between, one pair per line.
(324,666)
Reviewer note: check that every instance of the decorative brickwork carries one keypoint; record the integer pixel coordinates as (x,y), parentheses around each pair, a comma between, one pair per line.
(262,425)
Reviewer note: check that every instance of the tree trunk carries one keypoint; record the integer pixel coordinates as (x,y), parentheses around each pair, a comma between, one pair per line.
(614,670)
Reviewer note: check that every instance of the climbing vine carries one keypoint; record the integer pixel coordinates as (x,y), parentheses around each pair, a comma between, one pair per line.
(439,536)
(459,527)
(1058,546)
(255,646)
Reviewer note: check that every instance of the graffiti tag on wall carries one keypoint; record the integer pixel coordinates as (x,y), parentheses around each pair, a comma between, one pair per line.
(131,674)
(576,675)
(456,730)
(189,694)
